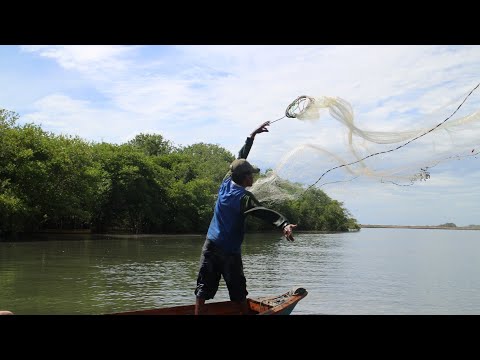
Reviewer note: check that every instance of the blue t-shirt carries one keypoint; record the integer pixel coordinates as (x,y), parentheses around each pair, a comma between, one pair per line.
(227,227)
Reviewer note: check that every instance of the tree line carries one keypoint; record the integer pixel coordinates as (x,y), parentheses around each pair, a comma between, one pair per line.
(146,185)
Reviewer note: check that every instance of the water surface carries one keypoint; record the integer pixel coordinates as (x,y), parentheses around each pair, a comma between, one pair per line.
(374,271)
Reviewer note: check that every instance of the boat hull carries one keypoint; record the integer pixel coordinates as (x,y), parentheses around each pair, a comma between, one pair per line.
(274,305)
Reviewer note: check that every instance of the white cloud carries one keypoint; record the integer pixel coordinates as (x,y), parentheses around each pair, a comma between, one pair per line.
(85,58)
(59,113)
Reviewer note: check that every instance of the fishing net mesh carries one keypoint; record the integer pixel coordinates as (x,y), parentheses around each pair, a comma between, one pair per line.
(401,156)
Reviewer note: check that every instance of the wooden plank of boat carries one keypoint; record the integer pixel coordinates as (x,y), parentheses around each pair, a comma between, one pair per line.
(273,305)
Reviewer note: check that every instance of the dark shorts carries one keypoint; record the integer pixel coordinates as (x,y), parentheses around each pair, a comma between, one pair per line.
(214,264)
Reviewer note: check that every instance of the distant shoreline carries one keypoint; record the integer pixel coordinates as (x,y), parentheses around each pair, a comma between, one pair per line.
(422,227)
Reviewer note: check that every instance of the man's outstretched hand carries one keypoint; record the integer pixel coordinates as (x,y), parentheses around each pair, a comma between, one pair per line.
(288,232)
(260,129)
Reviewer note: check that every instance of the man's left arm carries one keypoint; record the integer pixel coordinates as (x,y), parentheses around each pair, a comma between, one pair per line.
(251,206)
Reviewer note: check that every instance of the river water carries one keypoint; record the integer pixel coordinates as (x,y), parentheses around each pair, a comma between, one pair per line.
(373,271)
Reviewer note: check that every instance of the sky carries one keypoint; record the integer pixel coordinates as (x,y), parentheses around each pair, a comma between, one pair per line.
(219,94)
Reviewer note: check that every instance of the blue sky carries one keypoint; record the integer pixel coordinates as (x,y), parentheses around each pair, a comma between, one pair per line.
(219,94)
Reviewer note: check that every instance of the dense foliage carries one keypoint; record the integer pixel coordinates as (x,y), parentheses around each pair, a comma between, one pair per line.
(147,185)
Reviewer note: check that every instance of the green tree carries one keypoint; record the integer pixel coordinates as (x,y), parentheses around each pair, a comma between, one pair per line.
(135,190)
(192,205)
(152,144)
(208,160)
(146,185)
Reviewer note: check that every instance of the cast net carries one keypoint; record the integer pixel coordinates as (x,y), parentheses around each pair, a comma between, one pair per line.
(400,157)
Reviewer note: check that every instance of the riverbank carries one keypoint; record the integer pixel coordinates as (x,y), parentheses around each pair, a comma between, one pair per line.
(422,227)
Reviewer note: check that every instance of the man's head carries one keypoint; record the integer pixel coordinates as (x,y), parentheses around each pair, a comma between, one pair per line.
(242,172)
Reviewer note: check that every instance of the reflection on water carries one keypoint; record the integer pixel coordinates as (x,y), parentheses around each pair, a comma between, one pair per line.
(374,271)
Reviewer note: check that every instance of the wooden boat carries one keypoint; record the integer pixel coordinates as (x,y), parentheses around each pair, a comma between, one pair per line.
(273,305)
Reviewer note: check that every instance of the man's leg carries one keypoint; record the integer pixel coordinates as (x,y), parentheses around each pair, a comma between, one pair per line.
(208,277)
(199,306)
(236,282)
